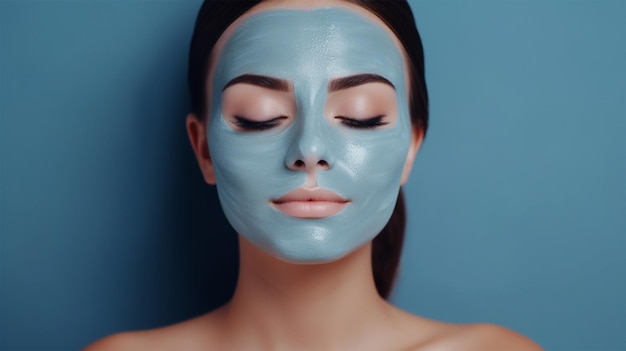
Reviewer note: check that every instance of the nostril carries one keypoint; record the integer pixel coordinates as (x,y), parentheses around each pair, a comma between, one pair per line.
(322,163)
(302,165)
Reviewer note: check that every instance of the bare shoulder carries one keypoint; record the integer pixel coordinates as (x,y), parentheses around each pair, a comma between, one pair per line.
(120,341)
(426,334)
(483,337)
(188,335)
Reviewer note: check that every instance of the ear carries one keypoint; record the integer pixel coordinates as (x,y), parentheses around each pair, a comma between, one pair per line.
(417,136)
(196,129)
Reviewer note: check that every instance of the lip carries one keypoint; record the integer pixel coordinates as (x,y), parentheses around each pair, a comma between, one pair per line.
(310,203)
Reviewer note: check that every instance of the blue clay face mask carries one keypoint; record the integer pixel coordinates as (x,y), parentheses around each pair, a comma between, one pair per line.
(309,131)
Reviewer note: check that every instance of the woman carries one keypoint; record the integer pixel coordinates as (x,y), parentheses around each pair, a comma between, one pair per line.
(307,116)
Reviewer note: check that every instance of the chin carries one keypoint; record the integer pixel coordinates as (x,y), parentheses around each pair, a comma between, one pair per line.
(311,257)
(311,251)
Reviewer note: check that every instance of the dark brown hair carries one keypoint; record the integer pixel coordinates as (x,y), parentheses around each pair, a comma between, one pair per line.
(216,15)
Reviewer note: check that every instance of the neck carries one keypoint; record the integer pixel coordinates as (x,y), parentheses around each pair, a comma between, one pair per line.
(279,305)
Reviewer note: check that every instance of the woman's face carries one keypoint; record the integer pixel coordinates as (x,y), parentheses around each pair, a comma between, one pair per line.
(309,130)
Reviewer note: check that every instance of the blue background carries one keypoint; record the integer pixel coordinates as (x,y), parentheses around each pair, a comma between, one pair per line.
(517,202)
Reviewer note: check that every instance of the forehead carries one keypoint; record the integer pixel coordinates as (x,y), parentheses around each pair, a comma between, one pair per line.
(308,44)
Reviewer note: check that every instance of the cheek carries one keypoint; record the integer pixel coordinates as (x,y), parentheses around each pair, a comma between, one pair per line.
(248,165)
(369,163)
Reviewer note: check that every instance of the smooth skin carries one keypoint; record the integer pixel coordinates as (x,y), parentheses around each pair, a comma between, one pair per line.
(332,306)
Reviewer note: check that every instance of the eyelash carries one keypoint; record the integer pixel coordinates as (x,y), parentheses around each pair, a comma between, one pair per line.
(250,125)
(369,123)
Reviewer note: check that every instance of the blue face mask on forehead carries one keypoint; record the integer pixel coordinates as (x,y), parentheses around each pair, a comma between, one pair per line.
(309,49)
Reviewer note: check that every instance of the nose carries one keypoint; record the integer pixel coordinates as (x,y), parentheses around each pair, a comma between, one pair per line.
(308,153)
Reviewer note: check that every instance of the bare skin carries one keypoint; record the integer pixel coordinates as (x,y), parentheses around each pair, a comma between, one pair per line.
(279,306)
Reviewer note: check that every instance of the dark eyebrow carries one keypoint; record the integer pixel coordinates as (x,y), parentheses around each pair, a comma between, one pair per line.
(261,81)
(356,80)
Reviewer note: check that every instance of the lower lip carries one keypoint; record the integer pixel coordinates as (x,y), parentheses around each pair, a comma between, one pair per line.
(310,209)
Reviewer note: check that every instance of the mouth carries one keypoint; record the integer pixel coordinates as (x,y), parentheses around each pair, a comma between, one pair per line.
(310,203)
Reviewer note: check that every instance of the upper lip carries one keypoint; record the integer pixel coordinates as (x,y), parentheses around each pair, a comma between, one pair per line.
(317,194)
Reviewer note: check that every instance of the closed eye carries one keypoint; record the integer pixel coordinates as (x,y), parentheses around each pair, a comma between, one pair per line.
(250,125)
(368,123)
